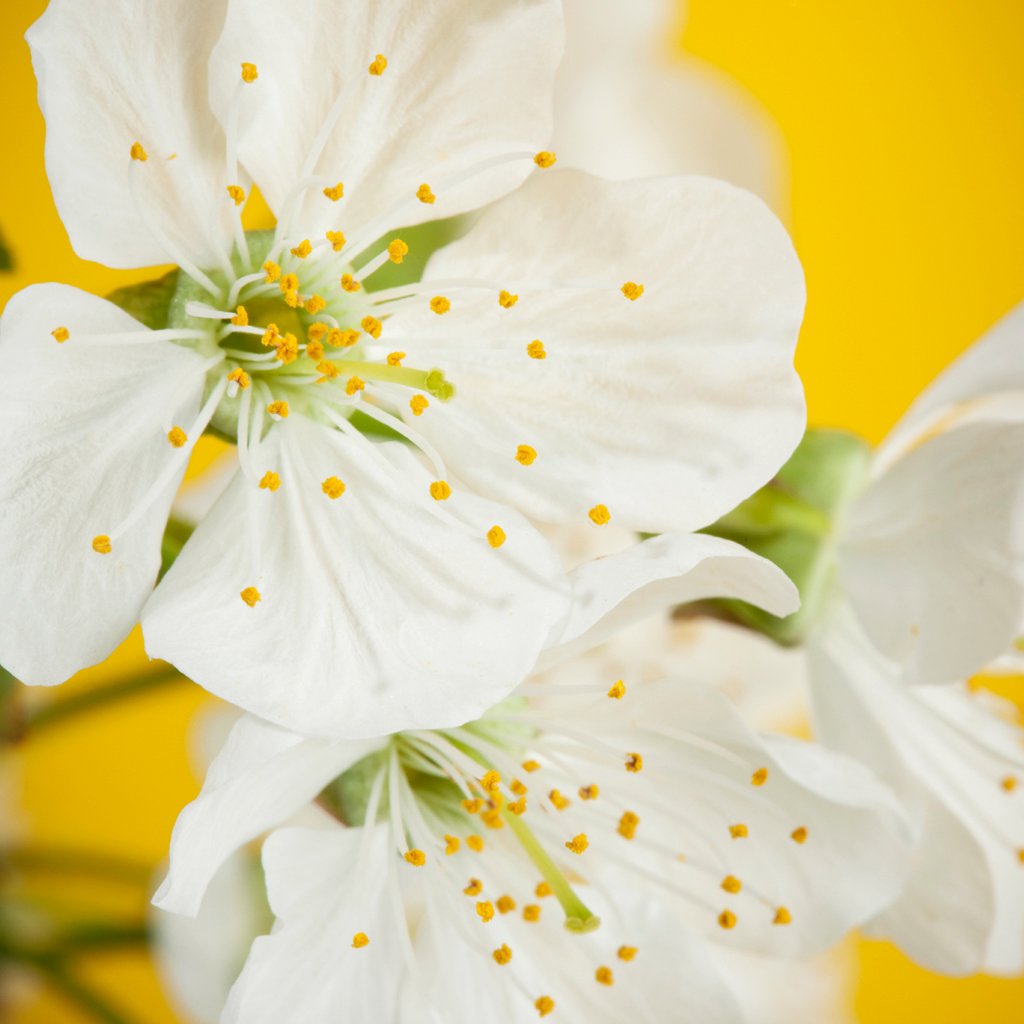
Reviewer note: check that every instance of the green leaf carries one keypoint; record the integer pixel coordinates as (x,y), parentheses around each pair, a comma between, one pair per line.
(149,301)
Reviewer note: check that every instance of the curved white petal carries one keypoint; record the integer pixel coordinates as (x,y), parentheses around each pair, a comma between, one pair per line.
(379,611)
(948,756)
(85,426)
(669,409)
(932,553)
(260,778)
(466,81)
(133,71)
(662,572)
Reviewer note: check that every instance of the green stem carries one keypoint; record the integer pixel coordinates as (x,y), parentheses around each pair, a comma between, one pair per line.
(61,978)
(67,861)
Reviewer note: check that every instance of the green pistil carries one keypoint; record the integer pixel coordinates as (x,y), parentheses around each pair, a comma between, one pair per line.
(431,381)
(578,917)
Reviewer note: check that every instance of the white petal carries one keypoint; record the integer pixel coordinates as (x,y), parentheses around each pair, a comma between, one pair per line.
(659,573)
(133,71)
(668,409)
(85,428)
(325,886)
(932,557)
(261,777)
(381,610)
(466,81)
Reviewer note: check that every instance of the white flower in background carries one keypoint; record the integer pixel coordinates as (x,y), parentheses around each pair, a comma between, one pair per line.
(929,589)
(629,104)
(619,352)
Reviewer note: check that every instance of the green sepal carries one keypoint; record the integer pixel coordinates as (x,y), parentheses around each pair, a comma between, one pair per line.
(150,301)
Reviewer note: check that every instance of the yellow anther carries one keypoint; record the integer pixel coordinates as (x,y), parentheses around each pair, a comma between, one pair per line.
(531,912)
(303,249)
(760,777)
(525,455)
(337,240)
(250,74)
(731,884)
(506,299)
(239,377)
(241,317)
(287,348)
(452,844)
(349,283)
(317,331)
(495,535)
(485,910)
(599,515)
(417,858)
(424,194)
(474,888)
(541,890)
(289,283)
(333,488)
(634,762)
(782,916)
(138,153)
(273,271)
(397,250)
(360,940)
(491,781)
(440,305)
(270,481)
(440,490)
(60,334)
(338,337)
(278,409)
(251,596)
(502,955)
(1020,855)
(799,835)
(1009,783)
(535,350)
(627,824)
(315,350)
(632,290)
(237,193)
(328,370)
(475,843)
(505,904)
(518,806)
(560,801)
(739,831)
(292,298)
(177,437)
(518,787)
(544,1005)
(577,844)
(531,766)
(101,544)
(335,192)
(473,806)
(627,953)
(395,358)
(618,690)
(545,158)
(371,325)
(380,62)
(588,792)
(315,303)
(492,818)
(727,919)
(354,384)
(604,976)
(418,403)
(271,335)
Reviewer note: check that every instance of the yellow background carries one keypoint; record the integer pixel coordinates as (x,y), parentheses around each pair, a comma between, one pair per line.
(903,120)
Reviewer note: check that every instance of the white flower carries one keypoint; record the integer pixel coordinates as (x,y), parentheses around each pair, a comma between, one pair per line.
(929,588)
(345,583)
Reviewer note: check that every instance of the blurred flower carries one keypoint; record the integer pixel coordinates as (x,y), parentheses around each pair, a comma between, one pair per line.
(622,353)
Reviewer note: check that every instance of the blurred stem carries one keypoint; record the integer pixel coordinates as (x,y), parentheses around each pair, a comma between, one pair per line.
(67,861)
(57,973)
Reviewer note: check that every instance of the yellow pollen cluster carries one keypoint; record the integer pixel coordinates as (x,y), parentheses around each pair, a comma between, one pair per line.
(525,455)
(474,888)
(278,409)
(395,358)
(335,192)
(618,690)
(337,240)
(502,955)
(491,781)
(440,490)
(270,481)
(544,1005)
(485,910)
(289,283)
(731,884)
(342,338)
(251,596)
(424,194)
(101,544)
(632,290)
(418,403)
(604,976)
(371,325)
(541,890)
(349,283)
(440,305)
(452,844)
(241,317)
(727,919)
(360,940)
(287,348)
(578,844)
(531,912)
(138,153)
(506,299)
(475,843)
(799,835)
(627,824)
(397,250)
(760,777)
(531,766)
(491,817)
(627,953)
(249,74)
(599,515)
(518,806)
(239,377)
(495,535)
(535,350)
(473,806)
(177,437)
(518,788)
(545,158)
(272,270)
(1009,783)
(354,384)
(739,831)
(588,792)
(379,64)
(237,193)
(506,904)
(559,800)
(315,303)
(634,762)
(782,916)
(333,488)
(60,334)
(302,250)
(417,858)
(317,331)
(329,370)
(315,350)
